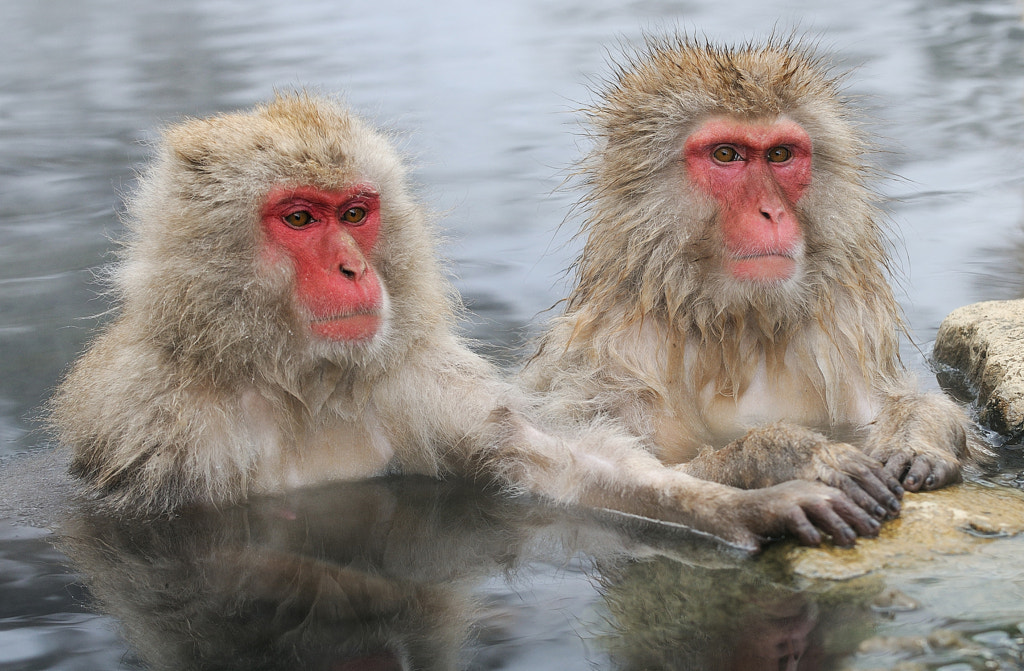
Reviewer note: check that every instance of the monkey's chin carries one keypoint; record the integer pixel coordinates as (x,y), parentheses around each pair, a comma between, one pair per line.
(763,269)
(350,328)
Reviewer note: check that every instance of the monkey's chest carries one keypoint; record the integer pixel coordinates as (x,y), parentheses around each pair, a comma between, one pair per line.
(764,399)
(318,450)
(337,451)
(729,418)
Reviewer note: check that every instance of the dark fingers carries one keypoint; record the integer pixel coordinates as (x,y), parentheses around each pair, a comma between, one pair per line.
(918,473)
(883,489)
(841,518)
(799,526)
(872,489)
(855,517)
(892,483)
(896,466)
(864,500)
(929,472)
(828,521)
(806,510)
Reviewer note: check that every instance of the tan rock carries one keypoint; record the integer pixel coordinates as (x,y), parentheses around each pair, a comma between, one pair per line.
(985,342)
(951,521)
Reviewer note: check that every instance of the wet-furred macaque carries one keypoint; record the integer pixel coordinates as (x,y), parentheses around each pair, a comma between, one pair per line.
(283,321)
(731,305)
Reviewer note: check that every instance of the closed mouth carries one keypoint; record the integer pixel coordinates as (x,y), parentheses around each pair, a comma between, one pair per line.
(771,267)
(762,255)
(365,312)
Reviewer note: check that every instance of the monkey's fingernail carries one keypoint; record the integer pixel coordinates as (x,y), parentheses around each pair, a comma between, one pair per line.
(930,481)
(911,481)
(879,512)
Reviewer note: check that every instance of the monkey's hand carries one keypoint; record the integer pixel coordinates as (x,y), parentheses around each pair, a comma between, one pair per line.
(776,453)
(804,510)
(607,469)
(921,439)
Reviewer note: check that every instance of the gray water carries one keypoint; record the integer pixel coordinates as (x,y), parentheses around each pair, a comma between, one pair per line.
(484,95)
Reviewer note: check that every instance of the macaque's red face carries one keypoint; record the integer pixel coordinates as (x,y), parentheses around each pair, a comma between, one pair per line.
(757,173)
(329,236)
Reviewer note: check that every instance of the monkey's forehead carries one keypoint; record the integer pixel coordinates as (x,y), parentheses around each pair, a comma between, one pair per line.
(751,80)
(300,140)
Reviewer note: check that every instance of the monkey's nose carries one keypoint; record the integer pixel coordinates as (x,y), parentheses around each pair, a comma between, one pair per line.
(353,270)
(774,212)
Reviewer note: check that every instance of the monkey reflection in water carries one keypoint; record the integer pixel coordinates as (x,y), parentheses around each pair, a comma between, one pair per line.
(365,575)
(287,582)
(283,321)
(752,617)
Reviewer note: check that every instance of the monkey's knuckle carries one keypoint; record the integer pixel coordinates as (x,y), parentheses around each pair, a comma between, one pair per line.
(815,503)
(857,471)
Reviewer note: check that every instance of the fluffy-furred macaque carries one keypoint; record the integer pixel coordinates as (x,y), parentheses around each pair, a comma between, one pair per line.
(731,305)
(283,321)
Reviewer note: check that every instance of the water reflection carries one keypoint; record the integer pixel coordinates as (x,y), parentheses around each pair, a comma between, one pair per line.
(756,617)
(388,574)
(361,576)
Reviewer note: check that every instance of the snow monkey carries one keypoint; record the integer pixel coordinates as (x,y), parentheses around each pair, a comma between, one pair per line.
(283,321)
(731,306)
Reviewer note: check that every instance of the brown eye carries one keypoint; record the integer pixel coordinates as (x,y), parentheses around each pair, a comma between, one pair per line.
(725,154)
(779,154)
(354,215)
(298,219)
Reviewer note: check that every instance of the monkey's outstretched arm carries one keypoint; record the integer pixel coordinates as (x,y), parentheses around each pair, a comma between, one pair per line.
(920,438)
(490,436)
(607,469)
(778,452)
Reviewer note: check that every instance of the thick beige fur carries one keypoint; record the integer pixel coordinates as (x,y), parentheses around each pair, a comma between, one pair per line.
(657,336)
(209,386)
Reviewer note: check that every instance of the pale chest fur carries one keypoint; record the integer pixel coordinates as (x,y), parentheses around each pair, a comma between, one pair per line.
(792,394)
(327,448)
(814,386)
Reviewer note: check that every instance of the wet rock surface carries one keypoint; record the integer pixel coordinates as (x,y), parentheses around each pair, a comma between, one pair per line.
(984,345)
(958,520)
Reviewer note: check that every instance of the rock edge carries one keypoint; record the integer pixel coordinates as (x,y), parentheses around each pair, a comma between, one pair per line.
(984,342)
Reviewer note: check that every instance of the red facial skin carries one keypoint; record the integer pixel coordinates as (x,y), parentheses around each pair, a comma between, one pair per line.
(757,196)
(329,236)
